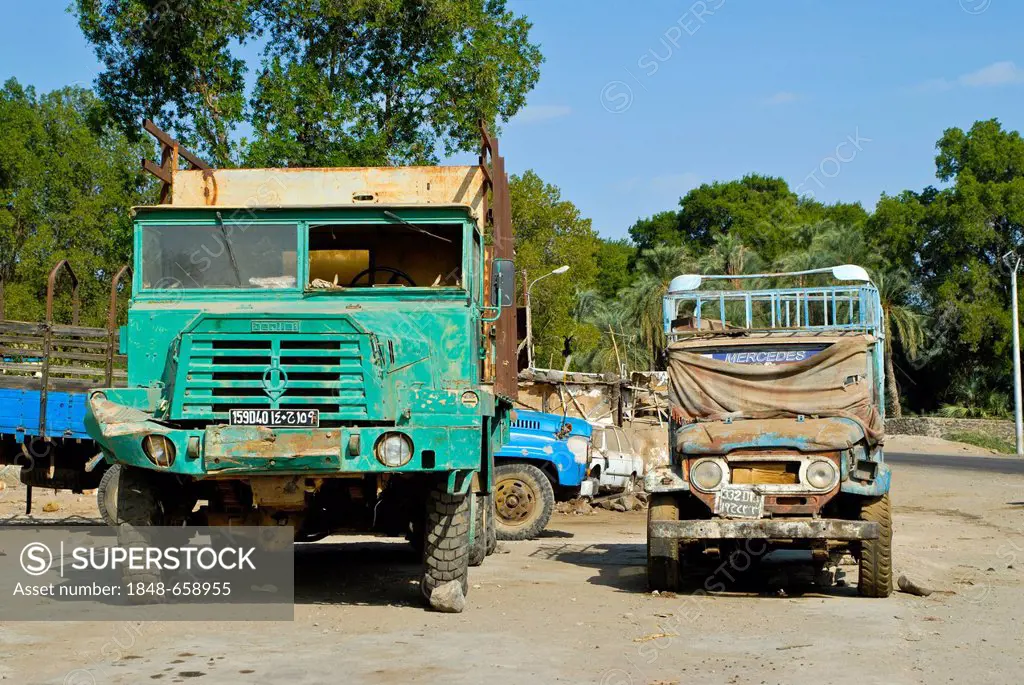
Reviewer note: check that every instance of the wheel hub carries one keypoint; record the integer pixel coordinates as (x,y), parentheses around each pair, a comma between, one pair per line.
(515,501)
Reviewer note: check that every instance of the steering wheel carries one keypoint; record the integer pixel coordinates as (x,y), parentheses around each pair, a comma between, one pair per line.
(396,274)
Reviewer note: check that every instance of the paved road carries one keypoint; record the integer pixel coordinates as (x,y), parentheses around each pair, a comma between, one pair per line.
(1011,465)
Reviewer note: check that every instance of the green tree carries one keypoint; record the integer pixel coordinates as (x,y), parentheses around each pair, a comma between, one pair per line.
(642,300)
(953,240)
(67,181)
(551,232)
(662,228)
(614,272)
(759,211)
(173,61)
(342,82)
(617,342)
(901,322)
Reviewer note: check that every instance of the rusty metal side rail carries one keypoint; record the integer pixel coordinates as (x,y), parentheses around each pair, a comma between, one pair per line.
(48,331)
(815,309)
(170,152)
(499,216)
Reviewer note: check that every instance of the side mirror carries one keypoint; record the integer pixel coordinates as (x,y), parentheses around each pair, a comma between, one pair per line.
(503,283)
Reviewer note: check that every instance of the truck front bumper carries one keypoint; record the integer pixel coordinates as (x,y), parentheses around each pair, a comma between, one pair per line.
(765,529)
(219,450)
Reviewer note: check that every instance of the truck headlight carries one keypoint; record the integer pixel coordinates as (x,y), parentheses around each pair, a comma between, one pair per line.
(159,449)
(580,448)
(706,474)
(821,474)
(393,449)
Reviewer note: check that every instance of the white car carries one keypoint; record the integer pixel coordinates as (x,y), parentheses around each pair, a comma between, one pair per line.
(615,463)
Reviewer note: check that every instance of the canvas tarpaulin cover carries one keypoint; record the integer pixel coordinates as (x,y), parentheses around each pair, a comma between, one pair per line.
(832,383)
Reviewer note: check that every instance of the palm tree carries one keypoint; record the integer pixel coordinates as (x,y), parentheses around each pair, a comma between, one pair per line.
(641,301)
(899,320)
(728,255)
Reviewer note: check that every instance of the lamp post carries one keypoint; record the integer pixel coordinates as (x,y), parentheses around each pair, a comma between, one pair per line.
(529,315)
(1013,262)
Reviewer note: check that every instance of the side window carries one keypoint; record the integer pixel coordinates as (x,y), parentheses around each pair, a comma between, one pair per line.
(624,442)
(613,440)
(598,439)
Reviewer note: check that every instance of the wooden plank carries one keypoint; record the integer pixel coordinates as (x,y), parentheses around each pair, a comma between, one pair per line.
(56,384)
(26,328)
(79,331)
(21,327)
(37,341)
(55,369)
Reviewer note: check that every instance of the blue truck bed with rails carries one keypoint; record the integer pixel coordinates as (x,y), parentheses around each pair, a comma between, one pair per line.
(46,372)
(545,458)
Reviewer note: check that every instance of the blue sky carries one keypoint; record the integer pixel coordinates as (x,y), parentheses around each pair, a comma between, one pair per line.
(640,101)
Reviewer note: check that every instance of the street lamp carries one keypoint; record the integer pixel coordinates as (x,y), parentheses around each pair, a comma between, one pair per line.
(1013,262)
(529,316)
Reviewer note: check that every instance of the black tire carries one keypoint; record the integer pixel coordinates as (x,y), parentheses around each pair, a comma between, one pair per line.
(492,532)
(478,548)
(874,576)
(662,553)
(446,542)
(524,501)
(106,495)
(137,506)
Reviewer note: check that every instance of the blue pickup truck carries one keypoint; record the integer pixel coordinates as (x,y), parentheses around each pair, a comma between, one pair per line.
(546,457)
(46,371)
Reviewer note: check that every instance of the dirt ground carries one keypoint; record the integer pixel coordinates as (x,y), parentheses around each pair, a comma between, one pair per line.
(572,607)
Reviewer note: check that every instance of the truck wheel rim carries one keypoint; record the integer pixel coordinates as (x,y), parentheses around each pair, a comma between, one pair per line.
(515,501)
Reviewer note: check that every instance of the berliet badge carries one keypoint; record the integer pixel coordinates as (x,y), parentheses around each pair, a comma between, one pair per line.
(275,381)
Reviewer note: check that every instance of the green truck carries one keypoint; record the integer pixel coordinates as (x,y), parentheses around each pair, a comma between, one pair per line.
(327,349)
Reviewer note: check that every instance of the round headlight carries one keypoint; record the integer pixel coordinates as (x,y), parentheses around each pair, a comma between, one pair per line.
(706,475)
(393,449)
(159,449)
(821,474)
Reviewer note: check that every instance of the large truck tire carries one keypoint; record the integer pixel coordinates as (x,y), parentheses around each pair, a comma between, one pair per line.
(662,553)
(106,495)
(492,531)
(478,548)
(874,577)
(137,505)
(446,541)
(524,500)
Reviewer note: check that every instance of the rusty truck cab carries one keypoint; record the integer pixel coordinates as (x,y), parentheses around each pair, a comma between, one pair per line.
(777,395)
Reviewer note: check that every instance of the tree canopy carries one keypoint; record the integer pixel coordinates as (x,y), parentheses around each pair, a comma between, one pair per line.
(68,179)
(339,83)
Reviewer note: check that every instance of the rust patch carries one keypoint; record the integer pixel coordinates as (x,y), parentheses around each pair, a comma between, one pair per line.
(209,187)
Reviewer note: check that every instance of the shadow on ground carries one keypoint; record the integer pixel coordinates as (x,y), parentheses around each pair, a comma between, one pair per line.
(358,573)
(623,566)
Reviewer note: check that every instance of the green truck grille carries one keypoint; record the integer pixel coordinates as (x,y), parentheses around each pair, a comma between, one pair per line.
(221,373)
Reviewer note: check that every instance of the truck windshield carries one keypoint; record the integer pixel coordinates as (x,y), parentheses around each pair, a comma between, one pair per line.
(220,256)
(343,257)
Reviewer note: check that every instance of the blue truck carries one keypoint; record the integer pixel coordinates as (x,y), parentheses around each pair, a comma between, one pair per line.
(46,371)
(777,396)
(545,458)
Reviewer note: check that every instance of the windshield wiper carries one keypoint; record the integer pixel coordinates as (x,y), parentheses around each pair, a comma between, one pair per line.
(231,254)
(392,215)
